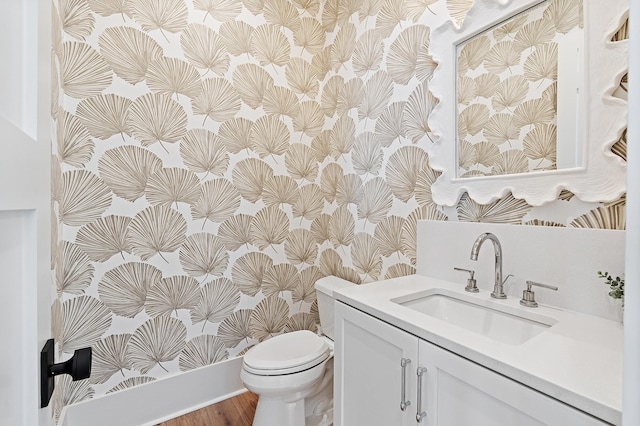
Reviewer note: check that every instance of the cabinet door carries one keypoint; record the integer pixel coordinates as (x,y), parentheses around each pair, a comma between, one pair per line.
(459,392)
(368,371)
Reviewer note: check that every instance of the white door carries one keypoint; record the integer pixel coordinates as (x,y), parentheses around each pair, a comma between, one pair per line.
(459,392)
(369,372)
(25,278)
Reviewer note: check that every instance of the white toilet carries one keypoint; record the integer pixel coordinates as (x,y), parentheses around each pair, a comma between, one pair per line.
(292,373)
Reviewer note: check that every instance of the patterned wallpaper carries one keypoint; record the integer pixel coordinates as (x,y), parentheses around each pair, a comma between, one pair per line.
(507,91)
(214,158)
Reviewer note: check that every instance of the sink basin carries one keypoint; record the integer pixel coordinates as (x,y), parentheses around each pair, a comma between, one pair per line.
(489,318)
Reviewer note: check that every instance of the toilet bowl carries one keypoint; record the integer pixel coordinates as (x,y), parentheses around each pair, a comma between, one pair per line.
(292,373)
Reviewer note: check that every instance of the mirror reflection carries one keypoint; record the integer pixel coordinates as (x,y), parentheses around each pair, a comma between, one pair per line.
(519,89)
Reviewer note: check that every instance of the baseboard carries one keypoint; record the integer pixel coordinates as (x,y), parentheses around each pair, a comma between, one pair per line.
(161,400)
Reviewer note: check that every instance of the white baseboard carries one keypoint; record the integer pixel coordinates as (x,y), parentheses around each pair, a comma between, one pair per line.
(161,400)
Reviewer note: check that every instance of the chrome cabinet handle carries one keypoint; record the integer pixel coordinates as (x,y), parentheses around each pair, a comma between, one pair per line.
(419,413)
(403,384)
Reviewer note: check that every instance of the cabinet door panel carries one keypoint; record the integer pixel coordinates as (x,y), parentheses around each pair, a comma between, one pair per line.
(369,373)
(460,392)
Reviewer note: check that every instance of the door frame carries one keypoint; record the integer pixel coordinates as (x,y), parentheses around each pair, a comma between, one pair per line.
(25,176)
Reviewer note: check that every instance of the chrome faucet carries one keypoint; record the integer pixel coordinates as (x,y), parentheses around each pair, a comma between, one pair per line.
(498,292)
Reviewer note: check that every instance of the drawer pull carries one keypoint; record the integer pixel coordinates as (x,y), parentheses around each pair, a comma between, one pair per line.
(403,384)
(419,413)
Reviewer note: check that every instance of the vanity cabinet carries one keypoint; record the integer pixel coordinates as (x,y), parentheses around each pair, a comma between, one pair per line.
(368,374)
(369,385)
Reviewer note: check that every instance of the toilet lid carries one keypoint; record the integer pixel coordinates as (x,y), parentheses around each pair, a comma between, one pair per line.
(286,354)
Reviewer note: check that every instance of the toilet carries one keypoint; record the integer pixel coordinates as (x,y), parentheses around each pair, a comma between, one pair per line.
(292,373)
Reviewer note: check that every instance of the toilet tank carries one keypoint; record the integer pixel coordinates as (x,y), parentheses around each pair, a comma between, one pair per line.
(324,292)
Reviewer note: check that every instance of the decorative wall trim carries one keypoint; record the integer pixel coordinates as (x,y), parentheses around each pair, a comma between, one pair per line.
(160,400)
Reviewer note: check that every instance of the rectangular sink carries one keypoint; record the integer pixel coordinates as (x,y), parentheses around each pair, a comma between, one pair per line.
(486,317)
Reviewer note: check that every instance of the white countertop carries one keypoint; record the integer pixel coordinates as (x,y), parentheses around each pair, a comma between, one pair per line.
(578,360)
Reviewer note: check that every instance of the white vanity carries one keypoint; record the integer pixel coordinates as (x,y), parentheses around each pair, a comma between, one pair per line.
(402,358)
(488,361)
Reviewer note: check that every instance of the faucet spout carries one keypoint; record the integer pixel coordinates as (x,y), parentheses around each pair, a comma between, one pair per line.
(498,290)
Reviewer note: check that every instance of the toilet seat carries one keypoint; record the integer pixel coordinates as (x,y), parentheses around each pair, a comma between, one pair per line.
(287,353)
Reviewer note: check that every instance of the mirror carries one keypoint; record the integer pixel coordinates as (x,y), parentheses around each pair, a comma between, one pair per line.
(525,102)
(518,92)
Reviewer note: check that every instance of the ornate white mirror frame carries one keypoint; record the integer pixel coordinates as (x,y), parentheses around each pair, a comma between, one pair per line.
(602,174)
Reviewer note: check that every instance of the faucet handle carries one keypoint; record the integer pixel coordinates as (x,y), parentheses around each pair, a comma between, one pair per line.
(507,278)
(471,281)
(528,295)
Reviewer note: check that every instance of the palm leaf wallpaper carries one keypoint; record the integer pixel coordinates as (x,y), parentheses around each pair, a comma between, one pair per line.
(214,158)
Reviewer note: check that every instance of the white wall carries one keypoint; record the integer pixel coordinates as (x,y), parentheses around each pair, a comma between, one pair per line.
(568,258)
(631,388)
(18,36)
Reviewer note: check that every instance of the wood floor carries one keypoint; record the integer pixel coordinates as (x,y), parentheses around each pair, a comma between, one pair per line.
(236,411)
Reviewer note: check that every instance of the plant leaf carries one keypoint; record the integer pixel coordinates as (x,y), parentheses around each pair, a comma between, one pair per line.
(74,142)
(203,254)
(251,82)
(109,357)
(203,151)
(270,136)
(75,271)
(269,318)
(104,238)
(367,154)
(126,170)
(220,10)
(158,340)
(270,46)
(280,278)
(236,134)
(202,351)
(403,169)
(218,299)
(218,100)
(84,198)
(205,49)
(235,328)
(85,320)
(402,58)
(156,117)
(171,185)
(171,294)
(129,52)
(365,256)
(270,226)
(249,177)
(173,76)
(218,201)
(280,190)
(104,115)
(124,288)
(249,270)
(300,247)
(84,73)
(310,203)
(156,229)
(165,15)
(309,35)
(234,232)
(376,202)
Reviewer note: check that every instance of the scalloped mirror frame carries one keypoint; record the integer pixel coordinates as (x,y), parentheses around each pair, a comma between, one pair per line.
(602,176)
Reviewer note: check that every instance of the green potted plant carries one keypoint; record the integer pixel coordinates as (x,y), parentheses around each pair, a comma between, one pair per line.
(616,285)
